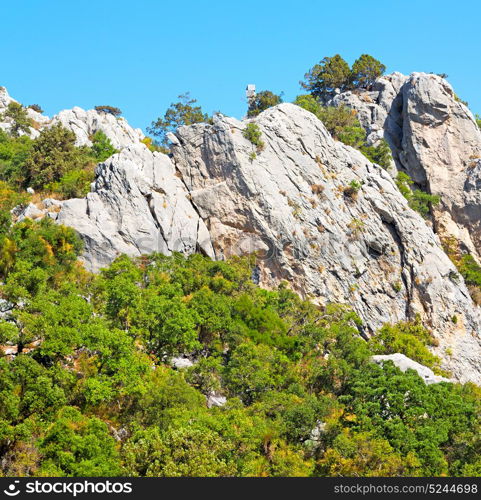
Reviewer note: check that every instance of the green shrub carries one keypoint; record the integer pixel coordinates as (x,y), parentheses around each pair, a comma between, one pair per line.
(54,154)
(409,338)
(74,184)
(263,100)
(102,146)
(418,200)
(380,154)
(253,133)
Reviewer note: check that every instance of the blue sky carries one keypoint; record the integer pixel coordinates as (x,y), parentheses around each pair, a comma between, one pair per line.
(139,55)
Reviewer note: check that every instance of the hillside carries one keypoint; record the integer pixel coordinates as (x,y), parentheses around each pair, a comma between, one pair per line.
(233,292)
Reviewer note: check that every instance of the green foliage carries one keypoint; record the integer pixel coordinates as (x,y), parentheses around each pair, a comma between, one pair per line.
(263,100)
(365,71)
(333,73)
(478,120)
(380,154)
(102,147)
(52,155)
(91,391)
(111,110)
(409,338)
(470,270)
(253,133)
(343,125)
(18,116)
(76,445)
(418,200)
(74,184)
(324,78)
(183,112)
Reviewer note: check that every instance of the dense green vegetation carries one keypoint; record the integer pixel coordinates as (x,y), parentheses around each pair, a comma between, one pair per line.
(89,389)
(52,163)
(333,73)
(342,123)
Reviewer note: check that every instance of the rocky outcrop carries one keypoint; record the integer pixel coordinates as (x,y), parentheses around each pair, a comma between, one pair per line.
(404,364)
(137,206)
(86,123)
(435,139)
(83,123)
(297,203)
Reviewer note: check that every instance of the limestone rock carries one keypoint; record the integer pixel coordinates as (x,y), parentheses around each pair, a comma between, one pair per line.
(137,206)
(86,123)
(404,363)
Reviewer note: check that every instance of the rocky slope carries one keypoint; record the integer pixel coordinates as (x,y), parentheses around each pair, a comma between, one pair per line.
(294,203)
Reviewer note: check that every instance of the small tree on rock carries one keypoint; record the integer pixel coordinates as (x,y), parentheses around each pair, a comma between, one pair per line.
(262,101)
(365,71)
(20,120)
(111,110)
(183,112)
(324,78)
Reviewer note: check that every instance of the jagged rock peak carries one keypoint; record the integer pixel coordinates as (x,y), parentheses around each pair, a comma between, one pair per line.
(83,123)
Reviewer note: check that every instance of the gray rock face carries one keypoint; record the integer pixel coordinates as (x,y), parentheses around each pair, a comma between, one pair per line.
(435,139)
(293,203)
(404,363)
(137,206)
(86,123)
(441,147)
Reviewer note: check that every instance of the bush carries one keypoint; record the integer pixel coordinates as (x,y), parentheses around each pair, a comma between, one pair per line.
(102,146)
(36,107)
(262,101)
(253,133)
(74,184)
(408,338)
(53,155)
(111,110)
(380,154)
(418,200)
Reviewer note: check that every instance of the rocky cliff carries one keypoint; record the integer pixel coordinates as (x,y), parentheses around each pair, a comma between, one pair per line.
(435,139)
(317,212)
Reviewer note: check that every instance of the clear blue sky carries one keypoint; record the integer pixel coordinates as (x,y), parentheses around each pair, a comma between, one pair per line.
(139,55)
